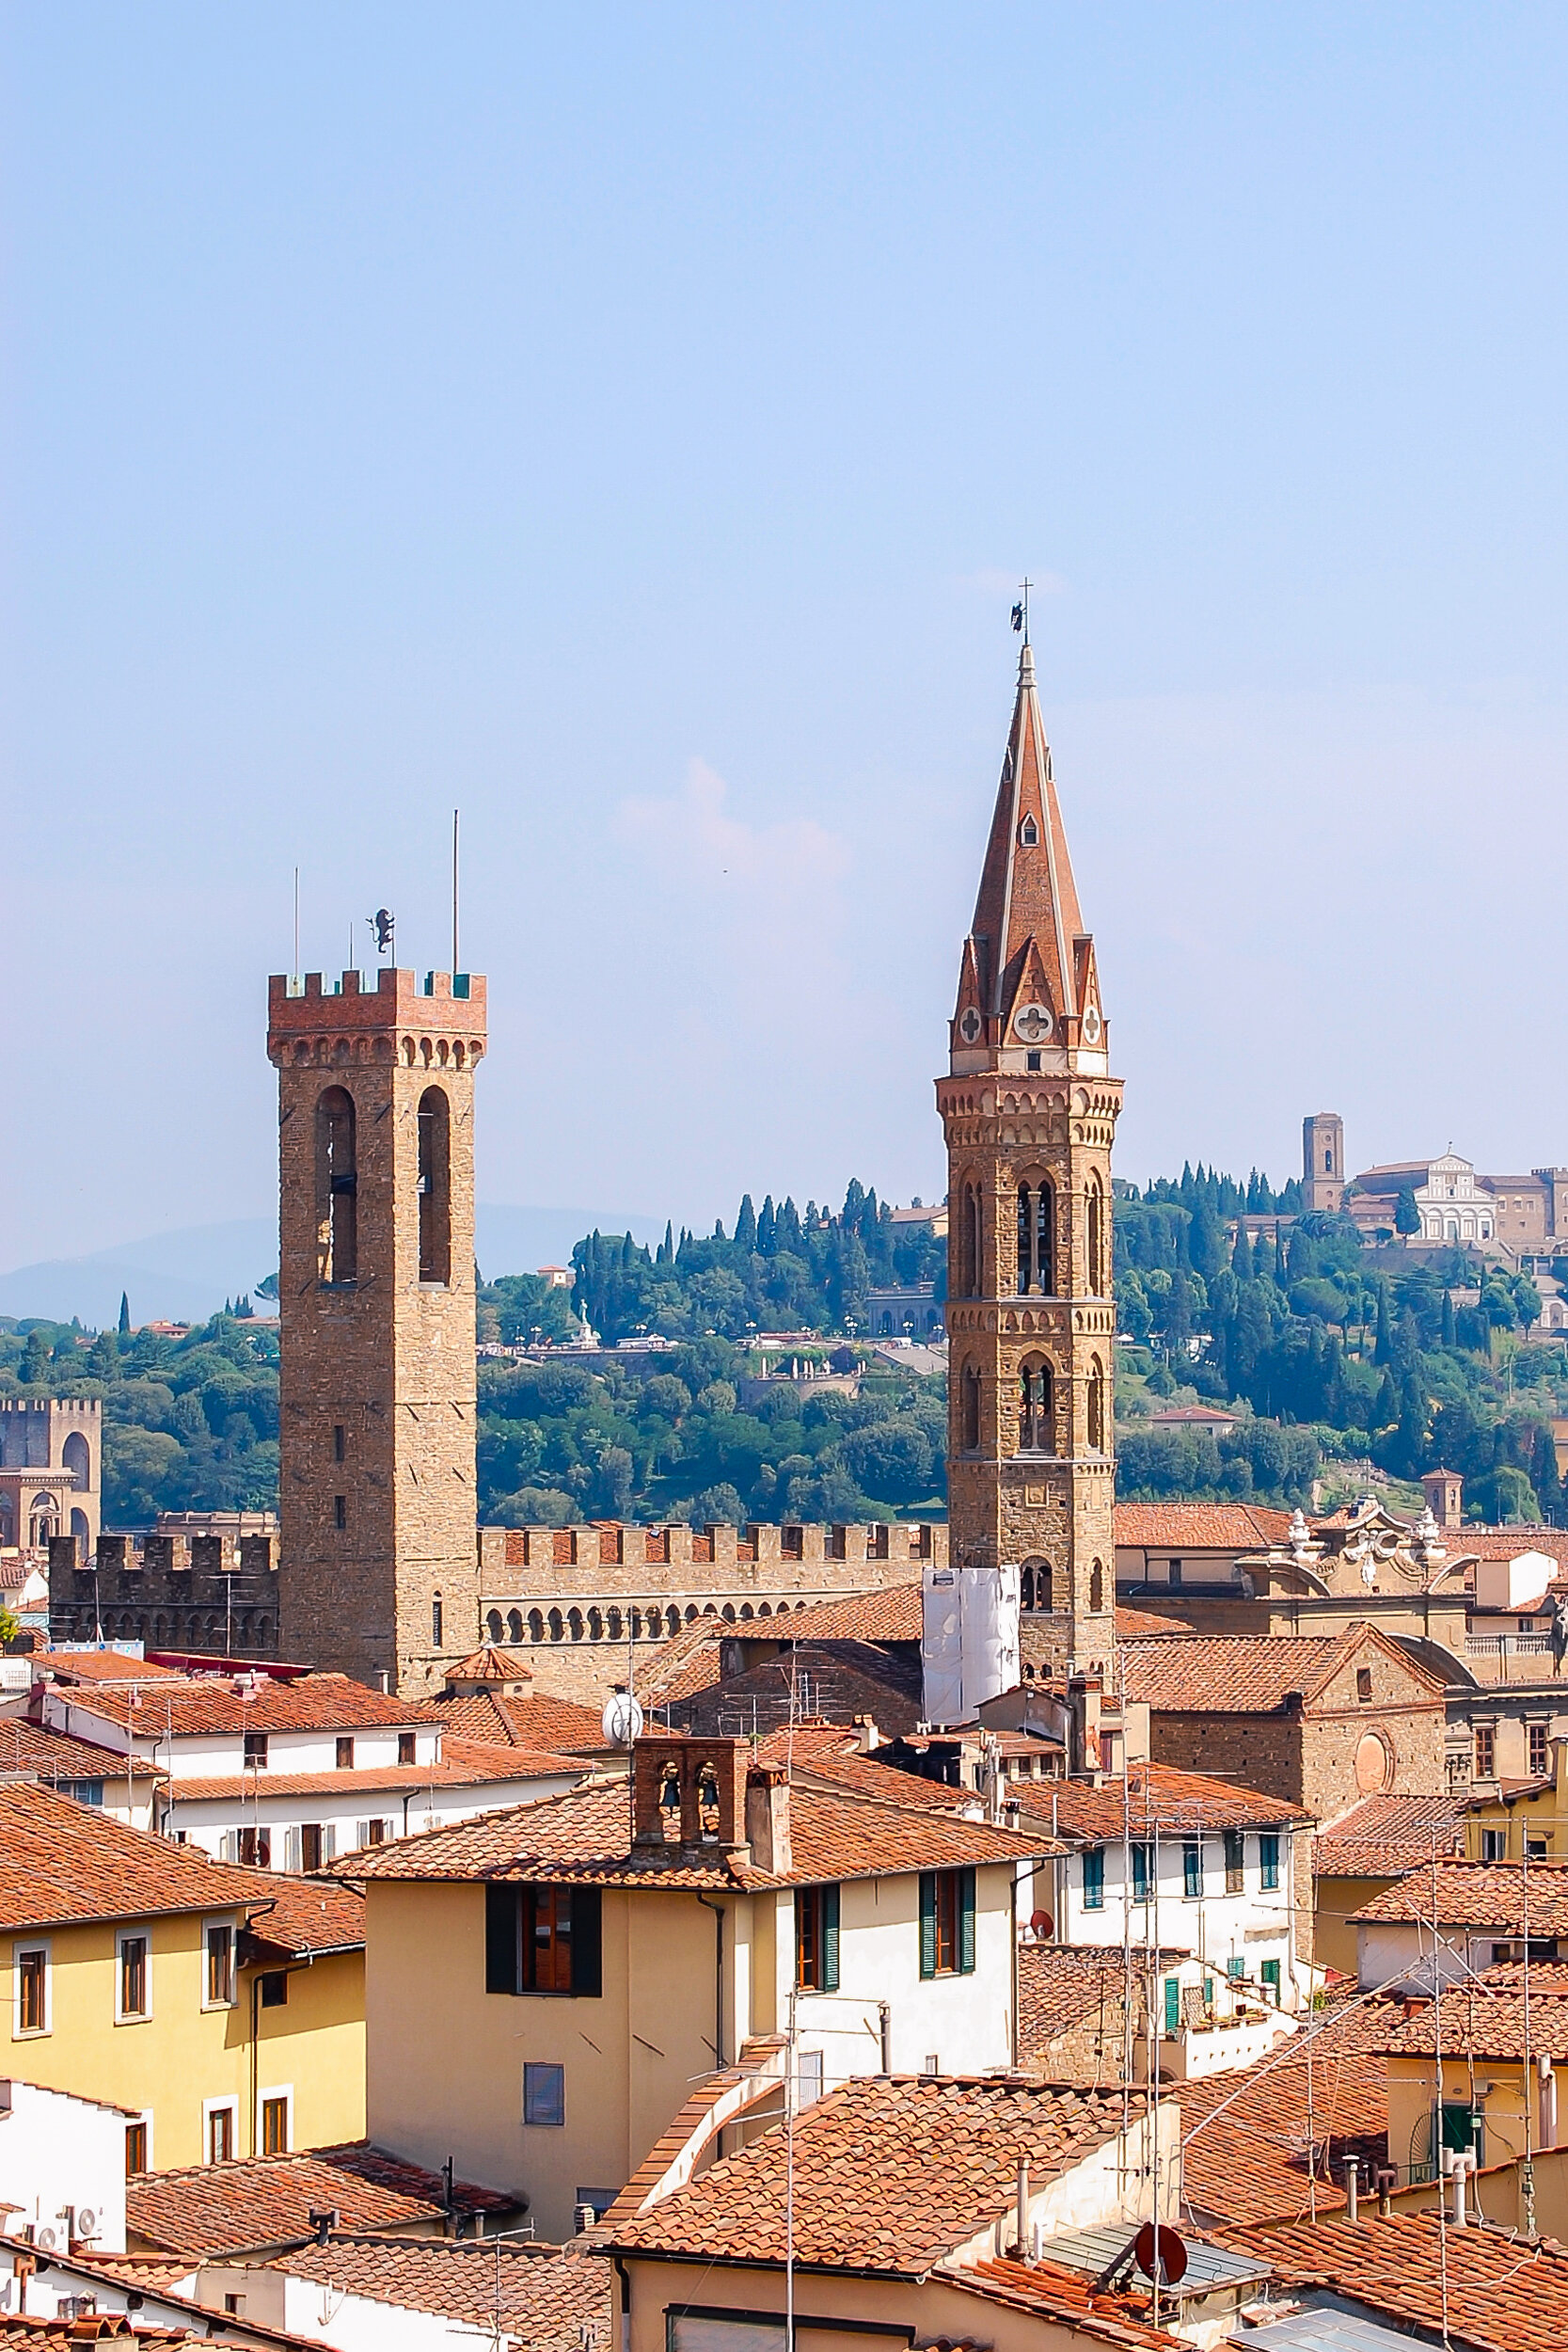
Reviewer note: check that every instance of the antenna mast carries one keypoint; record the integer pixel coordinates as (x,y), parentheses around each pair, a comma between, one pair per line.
(454,890)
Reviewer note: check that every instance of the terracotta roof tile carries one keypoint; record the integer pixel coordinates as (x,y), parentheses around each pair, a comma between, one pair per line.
(491,1664)
(1053,2292)
(1198,1526)
(1480,1895)
(1484,2021)
(305,1915)
(1059,1985)
(53,1756)
(550,1725)
(1385,1837)
(889,2174)
(211,1703)
(891,1613)
(1494,2293)
(840,1679)
(22,2333)
(257,2203)
(546,2298)
(99,1665)
(464,1763)
(1245,2137)
(585,1838)
(1250,1675)
(1158,1797)
(683,1665)
(61,1861)
(1138,1624)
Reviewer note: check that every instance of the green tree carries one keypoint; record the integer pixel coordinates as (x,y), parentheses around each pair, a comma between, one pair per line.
(1407,1217)
(125,1314)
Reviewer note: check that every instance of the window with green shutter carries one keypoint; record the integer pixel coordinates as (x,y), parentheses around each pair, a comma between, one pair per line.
(1192,1869)
(1094,1878)
(946,1923)
(1268,1861)
(1269,1974)
(1142,1872)
(1173,2005)
(816,1939)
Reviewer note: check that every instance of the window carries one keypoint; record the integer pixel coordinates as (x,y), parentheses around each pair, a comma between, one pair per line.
(406,1747)
(1363,1683)
(85,1791)
(1142,1872)
(969,1410)
(317,1843)
(1235,1862)
(274,1989)
(1034,1229)
(274,2122)
(1192,1869)
(1268,1973)
(345,1752)
(1033,1409)
(1535,1848)
(543,1939)
(1096,1406)
(817,1938)
(1540,1754)
(373,1833)
(1094,1878)
(337,1188)
(1173,1573)
(253,1847)
(544,2093)
(1486,1750)
(32,1989)
(256,1751)
(220,1965)
(1236,1967)
(338,1442)
(340,1512)
(1494,1845)
(1173,2005)
(808,2077)
(969,1244)
(1268,1861)
(1097,1588)
(435,1187)
(436,1622)
(220,2133)
(946,1923)
(133,1989)
(135,2148)
(1096,1239)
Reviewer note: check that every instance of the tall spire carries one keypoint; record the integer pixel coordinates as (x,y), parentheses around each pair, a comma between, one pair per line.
(1028,972)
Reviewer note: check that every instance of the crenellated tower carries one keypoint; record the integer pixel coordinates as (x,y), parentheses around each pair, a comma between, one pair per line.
(1029,1112)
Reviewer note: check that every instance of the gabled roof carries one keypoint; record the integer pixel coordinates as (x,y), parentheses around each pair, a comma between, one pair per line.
(305,1915)
(1478,1894)
(550,1726)
(257,2203)
(1206,1674)
(1385,1837)
(889,2174)
(464,1764)
(545,2298)
(210,1703)
(99,1665)
(63,1864)
(1484,2021)
(1477,2288)
(1156,1799)
(891,1613)
(585,1838)
(55,1756)
(838,1678)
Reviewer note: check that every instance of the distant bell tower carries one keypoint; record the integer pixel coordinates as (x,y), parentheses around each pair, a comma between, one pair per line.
(378,1553)
(1029,1111)
(1322,1160)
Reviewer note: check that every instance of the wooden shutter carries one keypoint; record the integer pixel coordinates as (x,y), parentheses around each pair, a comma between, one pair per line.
(927,1923)
(829,1916)
(966,1923)
(586,1941)
(502,1919)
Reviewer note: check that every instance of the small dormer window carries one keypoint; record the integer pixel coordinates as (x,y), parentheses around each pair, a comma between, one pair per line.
(1029,833)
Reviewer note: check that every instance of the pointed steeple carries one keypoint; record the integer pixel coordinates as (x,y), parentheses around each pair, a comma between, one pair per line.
(1028,959)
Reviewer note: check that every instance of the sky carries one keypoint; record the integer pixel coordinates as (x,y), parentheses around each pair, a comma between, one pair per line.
(629,426)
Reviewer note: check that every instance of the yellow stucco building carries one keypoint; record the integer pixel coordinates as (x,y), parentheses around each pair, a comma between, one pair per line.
(223,2007)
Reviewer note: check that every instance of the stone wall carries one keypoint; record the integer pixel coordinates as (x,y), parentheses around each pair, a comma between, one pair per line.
(214,1594)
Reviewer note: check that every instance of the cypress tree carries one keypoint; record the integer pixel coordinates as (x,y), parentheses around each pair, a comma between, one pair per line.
(124,1314)
(1383,1352)
(746,1225)
(1240,1257)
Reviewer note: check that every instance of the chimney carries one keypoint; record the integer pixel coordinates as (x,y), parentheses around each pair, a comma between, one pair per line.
(767,1820)
(1353,2184)
(1022,2206)
(1386,2179)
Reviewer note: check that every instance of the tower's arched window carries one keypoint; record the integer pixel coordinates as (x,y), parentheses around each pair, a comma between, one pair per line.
(1097,1587)
(77,1457)
(337,1188)
(969,1414)
(1035,1584)
(1036,1225)
(968,1242)
(1096,1406)
(1096,1239)
(434,1186)
(1033,1409)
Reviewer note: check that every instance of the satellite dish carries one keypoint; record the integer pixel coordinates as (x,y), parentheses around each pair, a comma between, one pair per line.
(622,1718)
(1160,2254)
(1042,1924)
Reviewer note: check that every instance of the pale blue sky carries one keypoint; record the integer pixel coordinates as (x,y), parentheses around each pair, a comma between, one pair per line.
(629,424)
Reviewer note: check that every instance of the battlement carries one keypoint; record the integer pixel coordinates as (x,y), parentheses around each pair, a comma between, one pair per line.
(405,1017)
(892,1551)
(82,1409)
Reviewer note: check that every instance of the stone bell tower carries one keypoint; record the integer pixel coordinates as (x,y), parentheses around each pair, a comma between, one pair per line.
(378,1571)
(1029,1112)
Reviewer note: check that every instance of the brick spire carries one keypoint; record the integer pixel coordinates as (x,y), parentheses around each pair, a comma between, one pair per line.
(1027,978)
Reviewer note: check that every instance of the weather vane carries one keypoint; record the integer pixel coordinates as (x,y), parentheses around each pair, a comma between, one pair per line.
(1020,609)
(383,923)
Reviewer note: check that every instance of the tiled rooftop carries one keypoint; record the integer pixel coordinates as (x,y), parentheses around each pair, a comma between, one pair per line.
(1249,1675)
(211,1703)
(1483,2020)
(21,2334)
(98,1665)
(61,1862)
(1200,1526)
(889,2174)
(1051,2291)
(1157,1798)
(53,1756)
(1475,2287)
(1480,1895)
(890,1613)
(259,2203)
(300,1915)
(548,1725)
(1064,1985)
(841,1678)
(1245,2135)
(464,1763)
(1385,1837)
(545,2298)
(585,1838)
